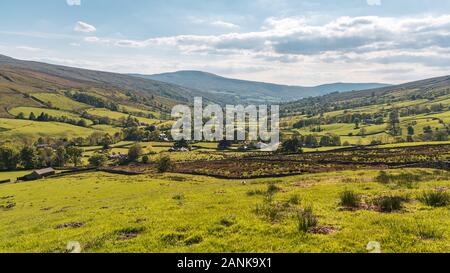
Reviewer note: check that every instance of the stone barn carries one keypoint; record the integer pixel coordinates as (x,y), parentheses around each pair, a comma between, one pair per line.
(39,174)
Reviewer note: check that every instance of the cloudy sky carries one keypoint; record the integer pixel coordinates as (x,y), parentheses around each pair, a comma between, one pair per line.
(284,41)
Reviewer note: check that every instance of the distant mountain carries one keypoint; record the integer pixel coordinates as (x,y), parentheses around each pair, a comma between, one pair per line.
(241,91)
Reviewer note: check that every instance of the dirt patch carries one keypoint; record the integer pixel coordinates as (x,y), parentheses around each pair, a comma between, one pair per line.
(323,230)
(70,225)
(129,233)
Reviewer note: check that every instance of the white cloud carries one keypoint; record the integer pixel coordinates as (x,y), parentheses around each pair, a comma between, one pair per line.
(73,2)
(84,27)
(374,2)
(29,48)
(223,24)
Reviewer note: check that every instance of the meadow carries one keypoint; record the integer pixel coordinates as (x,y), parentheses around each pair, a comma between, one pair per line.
(182,213)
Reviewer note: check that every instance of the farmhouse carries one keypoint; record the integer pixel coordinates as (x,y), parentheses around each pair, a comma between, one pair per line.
(39,174)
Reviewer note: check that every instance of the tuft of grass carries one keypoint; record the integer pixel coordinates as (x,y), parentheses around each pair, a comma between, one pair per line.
(350,199)
(295,200)
(435,198)
(403,180)
(306,220)
(227,221)
(389,203)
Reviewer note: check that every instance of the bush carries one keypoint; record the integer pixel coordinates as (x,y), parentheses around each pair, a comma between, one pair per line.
(350,199)
(164,164)
(135,152)
(435,198)
(306,220)
(145,159)
(98,160)
(389,203)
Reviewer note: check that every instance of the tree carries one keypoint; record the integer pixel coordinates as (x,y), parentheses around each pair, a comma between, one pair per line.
(182,144)
(74,154)
(106,142)
(32,116)
(164,164)
(224,144)
(394,128)
(82,123)
(21,115)
(28,157)
(145,159)
(46,157)
(134,152)
(311,141)
(61,156)
(98,160)
(293,145)
(9,158)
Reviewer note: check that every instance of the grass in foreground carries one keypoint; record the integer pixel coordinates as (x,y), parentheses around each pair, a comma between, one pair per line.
(178,213)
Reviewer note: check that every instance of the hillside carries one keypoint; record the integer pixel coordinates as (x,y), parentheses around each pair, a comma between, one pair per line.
(19,79)
(232,90)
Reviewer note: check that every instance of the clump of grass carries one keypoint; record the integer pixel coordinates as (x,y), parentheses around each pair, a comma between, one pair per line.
(193,240)
(429,232)
(435,198)
(389,203)
(306,220)
(272,189)
(255,192)
(295,200)
(350,199)
(172,238)
(178,197)
(405,180)
(228,221)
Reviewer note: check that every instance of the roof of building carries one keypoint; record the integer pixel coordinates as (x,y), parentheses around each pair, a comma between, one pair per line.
(44,171)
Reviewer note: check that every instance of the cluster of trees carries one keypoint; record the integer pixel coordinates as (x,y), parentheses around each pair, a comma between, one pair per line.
(93,101)
(30,157)
(298,142)
(135,133)
(356,118)
(44,117)
(422,109)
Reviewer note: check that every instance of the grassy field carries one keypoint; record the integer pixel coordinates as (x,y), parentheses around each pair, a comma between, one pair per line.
(177,213)
(19,129)
(117,115)
(60,101)
(54,113)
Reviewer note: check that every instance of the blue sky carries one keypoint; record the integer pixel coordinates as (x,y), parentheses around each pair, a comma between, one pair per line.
(290,42)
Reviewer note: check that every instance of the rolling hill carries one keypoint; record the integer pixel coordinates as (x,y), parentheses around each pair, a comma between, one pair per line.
(20,79)
(232,90)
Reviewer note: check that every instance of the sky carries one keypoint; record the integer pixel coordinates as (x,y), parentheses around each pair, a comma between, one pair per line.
(291,42)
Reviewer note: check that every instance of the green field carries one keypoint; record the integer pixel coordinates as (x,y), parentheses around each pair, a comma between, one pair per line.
(22,129)
(177,213)
(60,101)
(118,115)
(54,113)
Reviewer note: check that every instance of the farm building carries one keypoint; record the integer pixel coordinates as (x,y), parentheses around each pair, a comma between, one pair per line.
(39,174)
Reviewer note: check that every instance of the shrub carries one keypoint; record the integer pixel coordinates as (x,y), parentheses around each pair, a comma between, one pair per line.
(306,220)
(145,159)
(98,160)
(435,198)
(389,203)
(135,152)
(164,164)
(350,199)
